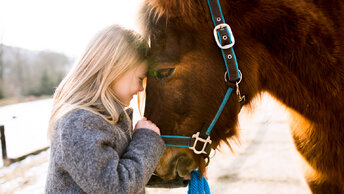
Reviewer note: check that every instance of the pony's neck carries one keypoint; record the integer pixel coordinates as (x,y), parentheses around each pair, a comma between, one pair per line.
(314,96)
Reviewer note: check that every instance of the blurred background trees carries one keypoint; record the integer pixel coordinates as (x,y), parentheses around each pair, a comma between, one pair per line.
(1,77)
(24,72)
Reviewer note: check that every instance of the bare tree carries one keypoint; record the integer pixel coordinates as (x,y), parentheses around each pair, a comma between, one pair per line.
(26,72)
(1,70)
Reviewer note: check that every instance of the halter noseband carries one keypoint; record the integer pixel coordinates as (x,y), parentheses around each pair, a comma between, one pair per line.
(225,40)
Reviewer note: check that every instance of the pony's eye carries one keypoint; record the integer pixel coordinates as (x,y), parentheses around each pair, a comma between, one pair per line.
(164,73)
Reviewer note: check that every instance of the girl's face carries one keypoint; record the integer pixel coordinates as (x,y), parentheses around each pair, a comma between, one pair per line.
(130,83)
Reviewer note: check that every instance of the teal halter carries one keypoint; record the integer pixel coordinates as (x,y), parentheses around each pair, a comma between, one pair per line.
(225,40)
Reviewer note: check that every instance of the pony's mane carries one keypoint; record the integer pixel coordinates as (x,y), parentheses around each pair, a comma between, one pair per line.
(181,12)
(171,8)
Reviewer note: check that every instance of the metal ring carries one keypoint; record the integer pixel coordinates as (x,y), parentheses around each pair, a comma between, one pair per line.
(229,56)
(218,19)
(224,37)
(240,77)
(225,76)
(214,153)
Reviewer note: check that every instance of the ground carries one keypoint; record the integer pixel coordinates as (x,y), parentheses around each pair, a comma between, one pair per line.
(266,162)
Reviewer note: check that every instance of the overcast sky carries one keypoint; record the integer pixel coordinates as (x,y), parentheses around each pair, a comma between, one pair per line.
(61,25)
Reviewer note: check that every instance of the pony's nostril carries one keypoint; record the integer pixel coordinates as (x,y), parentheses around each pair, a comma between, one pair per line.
(184,166)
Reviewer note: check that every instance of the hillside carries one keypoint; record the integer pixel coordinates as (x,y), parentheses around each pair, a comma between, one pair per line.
(24,72)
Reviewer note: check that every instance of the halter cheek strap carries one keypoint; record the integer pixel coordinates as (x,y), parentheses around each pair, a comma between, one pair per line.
(225,41)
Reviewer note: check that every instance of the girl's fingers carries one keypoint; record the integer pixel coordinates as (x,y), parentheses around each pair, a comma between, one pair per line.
(205,173)
(187,177)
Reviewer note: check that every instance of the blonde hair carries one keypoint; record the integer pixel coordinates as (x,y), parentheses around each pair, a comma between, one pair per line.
(111,53)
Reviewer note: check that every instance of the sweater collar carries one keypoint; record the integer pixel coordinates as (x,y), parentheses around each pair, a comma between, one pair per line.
(121,110)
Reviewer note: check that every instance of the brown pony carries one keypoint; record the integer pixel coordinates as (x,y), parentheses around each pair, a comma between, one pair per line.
(292,49)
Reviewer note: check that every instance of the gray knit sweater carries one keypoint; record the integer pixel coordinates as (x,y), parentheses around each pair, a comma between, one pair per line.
(89,155)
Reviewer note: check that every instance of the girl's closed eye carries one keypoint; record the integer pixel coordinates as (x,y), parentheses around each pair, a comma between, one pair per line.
(141,79)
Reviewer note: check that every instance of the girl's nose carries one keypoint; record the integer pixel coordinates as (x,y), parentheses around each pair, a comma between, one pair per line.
(141,88)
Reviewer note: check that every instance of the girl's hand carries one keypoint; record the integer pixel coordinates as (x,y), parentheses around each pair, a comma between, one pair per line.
(144,123)
(205,173)
(188,177)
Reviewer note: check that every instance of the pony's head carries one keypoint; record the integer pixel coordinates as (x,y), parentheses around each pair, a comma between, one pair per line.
(185,84)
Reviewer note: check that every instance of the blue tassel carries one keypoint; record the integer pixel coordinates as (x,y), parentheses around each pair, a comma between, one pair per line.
(197,185)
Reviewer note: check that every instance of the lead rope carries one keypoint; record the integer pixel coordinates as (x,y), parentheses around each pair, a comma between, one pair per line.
(197,184)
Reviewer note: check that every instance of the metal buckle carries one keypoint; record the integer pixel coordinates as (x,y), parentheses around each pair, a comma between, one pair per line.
(205,141)
(223,25)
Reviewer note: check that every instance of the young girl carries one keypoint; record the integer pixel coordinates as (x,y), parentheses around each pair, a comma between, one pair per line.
(94,147)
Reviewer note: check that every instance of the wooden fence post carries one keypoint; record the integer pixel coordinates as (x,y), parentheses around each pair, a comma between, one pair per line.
(3,146)
(7,161)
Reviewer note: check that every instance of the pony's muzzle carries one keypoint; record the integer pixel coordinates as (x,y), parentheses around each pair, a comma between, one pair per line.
(176,162)
(172,175)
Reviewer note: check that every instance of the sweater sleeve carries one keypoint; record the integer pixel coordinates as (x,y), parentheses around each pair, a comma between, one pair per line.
(96,167)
